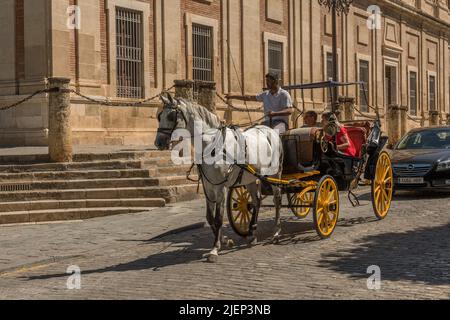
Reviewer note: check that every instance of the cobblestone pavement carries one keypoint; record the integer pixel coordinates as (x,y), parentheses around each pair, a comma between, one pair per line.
(120,259)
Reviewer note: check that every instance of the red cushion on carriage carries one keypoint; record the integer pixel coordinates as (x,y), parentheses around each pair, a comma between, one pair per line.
(358,137)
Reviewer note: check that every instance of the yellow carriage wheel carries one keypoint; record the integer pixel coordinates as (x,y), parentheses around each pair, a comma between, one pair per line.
(304,198)
(240,210)
(382,186)
(326,207)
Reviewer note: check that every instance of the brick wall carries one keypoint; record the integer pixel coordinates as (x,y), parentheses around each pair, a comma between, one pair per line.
(210,10)
(280,28)
(104,42)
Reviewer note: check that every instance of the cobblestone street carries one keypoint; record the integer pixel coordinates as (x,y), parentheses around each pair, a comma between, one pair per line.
(120,258)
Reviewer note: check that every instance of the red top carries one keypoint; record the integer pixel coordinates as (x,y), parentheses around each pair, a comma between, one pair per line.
(351,150)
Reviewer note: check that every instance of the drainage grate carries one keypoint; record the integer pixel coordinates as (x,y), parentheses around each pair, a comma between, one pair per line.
(15,187)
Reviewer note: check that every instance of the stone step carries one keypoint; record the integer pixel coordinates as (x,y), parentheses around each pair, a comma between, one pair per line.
(84,157)
(67,175)
(176,180)
(80,204)
(77,184)
(73,183)
(130,155)
(170,170)
(64,214)
(170,193)
(73,166)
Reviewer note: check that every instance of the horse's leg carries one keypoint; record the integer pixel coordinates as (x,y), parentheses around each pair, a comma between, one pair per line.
(218,223)
(210,211)
(277,199)
(255,192)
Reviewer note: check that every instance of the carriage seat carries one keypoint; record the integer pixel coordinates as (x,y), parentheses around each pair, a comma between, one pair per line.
(298,145)
(358,135)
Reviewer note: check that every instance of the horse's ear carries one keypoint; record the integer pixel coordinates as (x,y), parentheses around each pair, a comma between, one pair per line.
(172,101)
(164,99)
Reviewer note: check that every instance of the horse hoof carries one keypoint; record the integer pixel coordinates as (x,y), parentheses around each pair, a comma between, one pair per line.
(275,239)
(230,243)
(253,242)
(212,258)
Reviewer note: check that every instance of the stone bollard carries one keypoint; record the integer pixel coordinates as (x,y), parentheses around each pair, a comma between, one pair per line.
(59,131)
(403,120)
(394,126)
(184,89)
(434,118)
(348,105)
(207,95)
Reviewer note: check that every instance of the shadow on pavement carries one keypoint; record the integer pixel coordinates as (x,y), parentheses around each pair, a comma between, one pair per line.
(190,247)
(421,255)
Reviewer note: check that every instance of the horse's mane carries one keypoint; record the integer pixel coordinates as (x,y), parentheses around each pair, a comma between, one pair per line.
(195,111)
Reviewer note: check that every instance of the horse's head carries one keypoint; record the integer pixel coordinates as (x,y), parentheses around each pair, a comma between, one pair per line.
(170,119)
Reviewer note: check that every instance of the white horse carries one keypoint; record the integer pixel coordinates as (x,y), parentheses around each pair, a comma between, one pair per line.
(216,174)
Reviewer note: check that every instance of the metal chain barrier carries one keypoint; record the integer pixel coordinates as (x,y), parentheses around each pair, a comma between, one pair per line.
(415,120)
(101,102)
(362,114)
(31,96)
(119,104)
(236,108)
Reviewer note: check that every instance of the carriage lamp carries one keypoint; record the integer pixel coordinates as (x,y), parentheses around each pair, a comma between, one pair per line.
(443,165)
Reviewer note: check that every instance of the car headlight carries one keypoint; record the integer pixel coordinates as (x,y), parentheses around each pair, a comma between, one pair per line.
(443,165)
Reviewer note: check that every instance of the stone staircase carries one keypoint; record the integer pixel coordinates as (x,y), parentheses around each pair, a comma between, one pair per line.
(94,185)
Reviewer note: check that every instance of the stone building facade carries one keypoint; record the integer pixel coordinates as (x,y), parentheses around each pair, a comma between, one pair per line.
(128,50)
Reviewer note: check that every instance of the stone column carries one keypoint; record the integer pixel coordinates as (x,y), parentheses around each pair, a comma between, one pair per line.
(60,133)
(394,128)
(348,105)
(184,89)
(207,95)
(434,118)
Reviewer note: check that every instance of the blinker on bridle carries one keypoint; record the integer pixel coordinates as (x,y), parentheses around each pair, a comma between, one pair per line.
(169,131)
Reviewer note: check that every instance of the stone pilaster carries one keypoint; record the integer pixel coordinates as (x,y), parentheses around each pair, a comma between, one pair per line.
(7,48)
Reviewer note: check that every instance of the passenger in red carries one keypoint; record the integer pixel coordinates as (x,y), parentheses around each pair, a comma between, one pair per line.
(343,143)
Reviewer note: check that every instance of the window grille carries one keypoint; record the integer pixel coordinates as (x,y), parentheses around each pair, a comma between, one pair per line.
(129,47)
(202,52)
(275,54)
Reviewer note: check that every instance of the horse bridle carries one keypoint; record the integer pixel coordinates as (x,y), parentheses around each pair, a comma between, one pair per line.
(169,131)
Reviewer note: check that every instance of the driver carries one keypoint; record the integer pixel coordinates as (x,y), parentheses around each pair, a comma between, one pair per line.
(344,144)
(277,103)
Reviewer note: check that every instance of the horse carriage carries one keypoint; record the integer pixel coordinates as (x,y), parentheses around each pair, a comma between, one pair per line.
(314,173)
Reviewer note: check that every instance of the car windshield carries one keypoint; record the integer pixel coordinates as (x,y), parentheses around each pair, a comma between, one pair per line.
(433,139)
